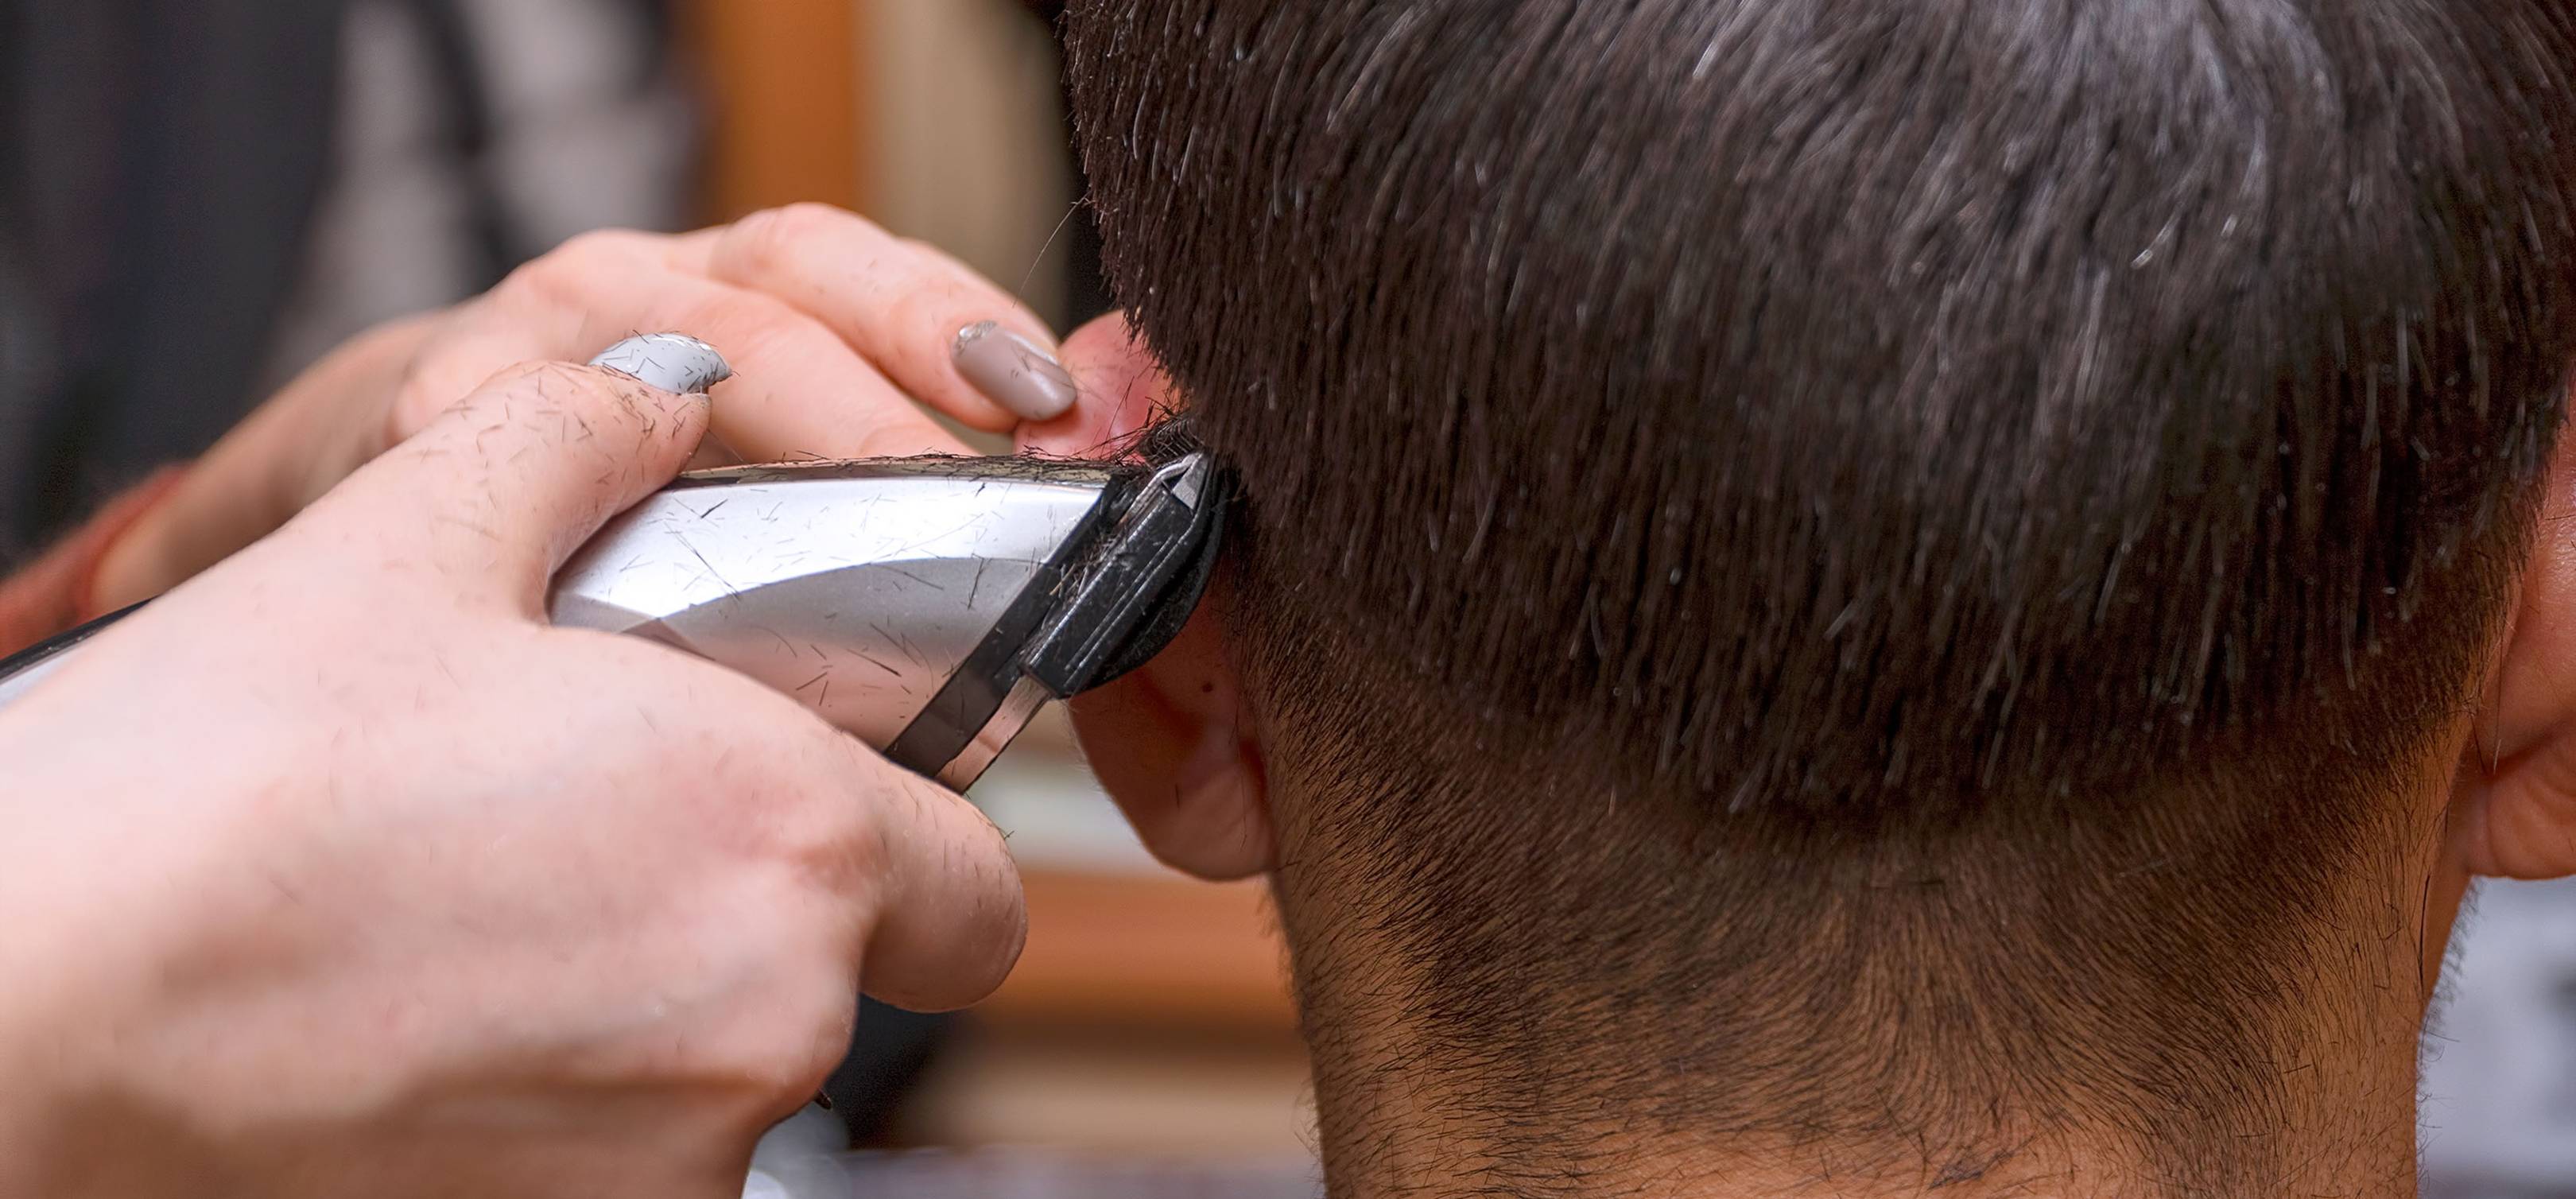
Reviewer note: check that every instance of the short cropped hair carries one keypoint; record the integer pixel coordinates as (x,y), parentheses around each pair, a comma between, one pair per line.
(1893,553)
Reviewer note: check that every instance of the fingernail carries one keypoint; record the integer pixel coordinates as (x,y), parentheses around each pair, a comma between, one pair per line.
(674,362)
(1012,371)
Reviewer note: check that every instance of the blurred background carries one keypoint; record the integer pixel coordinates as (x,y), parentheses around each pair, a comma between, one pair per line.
(202,196)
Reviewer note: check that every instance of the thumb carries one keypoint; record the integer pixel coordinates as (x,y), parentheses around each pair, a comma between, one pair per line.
(495,493)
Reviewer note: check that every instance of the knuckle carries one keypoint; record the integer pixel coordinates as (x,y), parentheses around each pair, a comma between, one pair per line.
(431,382)
(927,308)
(744,326)
(814,215)
(947,277)
(838,846)
(571,271)
(599,247)
(418,400)
(774,235)
(539,283)
(835,837)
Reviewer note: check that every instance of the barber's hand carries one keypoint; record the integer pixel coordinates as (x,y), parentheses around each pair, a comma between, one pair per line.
(836,326)
(339,872)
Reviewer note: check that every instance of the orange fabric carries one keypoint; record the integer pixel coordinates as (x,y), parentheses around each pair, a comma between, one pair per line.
(53,593)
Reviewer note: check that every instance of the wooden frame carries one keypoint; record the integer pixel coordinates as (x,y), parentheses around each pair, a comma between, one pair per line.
(1119,949)
(786,111)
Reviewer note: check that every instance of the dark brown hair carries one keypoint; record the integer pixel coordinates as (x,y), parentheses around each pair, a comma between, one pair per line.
(1893,552)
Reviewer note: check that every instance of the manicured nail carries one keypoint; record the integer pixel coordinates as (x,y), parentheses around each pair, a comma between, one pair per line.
(1012,371)
(674,362)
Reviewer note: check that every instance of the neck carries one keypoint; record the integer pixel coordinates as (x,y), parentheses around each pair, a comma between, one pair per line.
(1571,1098)
(1808,1026)
(1394,1124)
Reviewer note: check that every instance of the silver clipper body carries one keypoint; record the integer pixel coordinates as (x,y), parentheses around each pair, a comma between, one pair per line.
(928,606)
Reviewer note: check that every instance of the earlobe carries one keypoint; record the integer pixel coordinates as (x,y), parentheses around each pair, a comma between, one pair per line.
(2515,816)
(1171,744)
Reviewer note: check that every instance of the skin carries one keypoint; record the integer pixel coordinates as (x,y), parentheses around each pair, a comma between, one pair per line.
(1175,747)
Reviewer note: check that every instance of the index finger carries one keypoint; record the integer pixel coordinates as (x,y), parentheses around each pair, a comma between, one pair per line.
(802,392)
(901,304)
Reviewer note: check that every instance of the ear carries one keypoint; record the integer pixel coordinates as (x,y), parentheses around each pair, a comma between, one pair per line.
(2516,813)
(1170,744)
(1168,741)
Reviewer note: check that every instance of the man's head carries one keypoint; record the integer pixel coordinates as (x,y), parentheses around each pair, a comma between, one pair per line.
(1848,571)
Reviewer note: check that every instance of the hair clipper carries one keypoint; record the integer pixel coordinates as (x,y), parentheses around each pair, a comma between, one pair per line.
(928,606)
